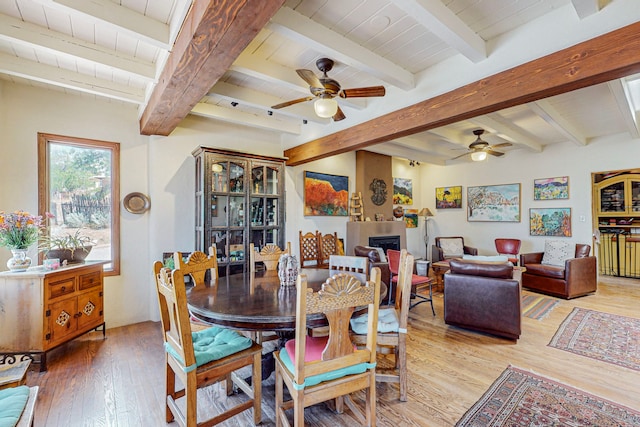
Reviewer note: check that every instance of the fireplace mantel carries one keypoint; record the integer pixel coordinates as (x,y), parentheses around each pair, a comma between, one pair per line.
(358,232)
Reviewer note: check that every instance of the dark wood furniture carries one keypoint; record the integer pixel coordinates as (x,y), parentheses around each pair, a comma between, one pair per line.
(256,302)
(239,200)
(43,309)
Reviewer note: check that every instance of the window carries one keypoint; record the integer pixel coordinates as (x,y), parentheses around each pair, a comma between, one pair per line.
(79,183)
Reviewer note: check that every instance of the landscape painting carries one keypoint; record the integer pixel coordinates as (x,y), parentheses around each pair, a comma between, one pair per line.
(494,203)
(325,195)
(550,222)
(551,188)
(411,218)
(402,191)
(449,197)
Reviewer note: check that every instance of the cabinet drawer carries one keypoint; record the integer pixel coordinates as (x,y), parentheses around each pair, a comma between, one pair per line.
(89,280)
(62,287)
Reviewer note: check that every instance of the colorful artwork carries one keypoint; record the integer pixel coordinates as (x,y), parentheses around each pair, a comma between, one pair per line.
(494,203)
(411,218)
(325,195)
(449,197)
(402,191)
(550,222)
(551,188)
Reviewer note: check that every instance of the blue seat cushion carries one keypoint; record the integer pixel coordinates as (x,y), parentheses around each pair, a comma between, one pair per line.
(212,344)
(313,352)
(12,403)
(387,321)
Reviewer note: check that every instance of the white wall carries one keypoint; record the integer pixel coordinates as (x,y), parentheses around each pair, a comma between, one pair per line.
(163,168)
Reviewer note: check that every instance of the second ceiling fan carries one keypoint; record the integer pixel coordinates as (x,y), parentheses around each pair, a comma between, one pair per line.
(325,89)
(480,148)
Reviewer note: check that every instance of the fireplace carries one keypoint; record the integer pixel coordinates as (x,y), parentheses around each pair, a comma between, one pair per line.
(385,242)
(359,233)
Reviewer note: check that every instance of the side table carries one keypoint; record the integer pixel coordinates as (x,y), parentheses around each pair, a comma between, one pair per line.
(439,268)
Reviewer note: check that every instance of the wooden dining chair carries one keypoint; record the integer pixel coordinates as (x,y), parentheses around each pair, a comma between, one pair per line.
(316,370)
(309,249)
(269,255)
(392,330)
(327,246)
(202,358)
(200,268)
(354,265)
(394,263)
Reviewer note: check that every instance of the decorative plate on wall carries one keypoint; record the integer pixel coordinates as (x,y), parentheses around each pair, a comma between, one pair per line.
(136,203)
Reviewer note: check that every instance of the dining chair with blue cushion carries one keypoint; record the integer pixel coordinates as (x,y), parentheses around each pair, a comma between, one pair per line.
(392,330)
(319,369)
(202,358)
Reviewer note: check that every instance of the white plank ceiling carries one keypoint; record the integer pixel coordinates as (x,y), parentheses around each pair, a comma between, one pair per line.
(115,49)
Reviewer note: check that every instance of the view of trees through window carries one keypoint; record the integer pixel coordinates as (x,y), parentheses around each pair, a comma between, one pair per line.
(80,194)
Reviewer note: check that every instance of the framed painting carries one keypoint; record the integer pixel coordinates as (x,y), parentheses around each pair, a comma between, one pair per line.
(550,222)
(325,195)
(494,203)
(402,191)
(411,218)
(449,197)
(551,188)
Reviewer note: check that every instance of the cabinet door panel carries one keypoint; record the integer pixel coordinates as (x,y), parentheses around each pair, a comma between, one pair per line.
(62,320)
(90,307)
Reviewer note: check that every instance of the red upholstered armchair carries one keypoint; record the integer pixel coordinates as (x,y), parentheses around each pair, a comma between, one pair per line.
(510,248)
(568,278)
(450,247)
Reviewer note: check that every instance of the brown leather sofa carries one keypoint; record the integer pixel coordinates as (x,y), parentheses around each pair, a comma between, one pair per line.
(483,297)
(576,278)
(374,261)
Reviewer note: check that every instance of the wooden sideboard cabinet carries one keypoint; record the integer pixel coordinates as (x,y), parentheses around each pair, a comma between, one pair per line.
(41,309)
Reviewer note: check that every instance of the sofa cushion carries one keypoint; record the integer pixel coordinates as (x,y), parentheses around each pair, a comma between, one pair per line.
(556,252)
(470,268)
(546,270)
(484,259)
(381,256)
(12,403)
(452,247)
(368,252)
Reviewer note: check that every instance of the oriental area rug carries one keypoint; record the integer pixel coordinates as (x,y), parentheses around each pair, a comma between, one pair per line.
(521,398)
(601,336)
(536,306)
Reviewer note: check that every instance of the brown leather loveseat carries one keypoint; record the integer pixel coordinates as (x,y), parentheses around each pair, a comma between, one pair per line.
(577,277)
(483,297)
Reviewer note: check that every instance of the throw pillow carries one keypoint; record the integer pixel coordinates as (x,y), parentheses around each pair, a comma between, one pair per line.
(556,252)
(487,259)
(452,248)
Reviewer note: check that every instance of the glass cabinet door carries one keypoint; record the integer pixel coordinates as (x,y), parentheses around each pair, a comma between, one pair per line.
(272,180)
(236,178)
(219,177)
(612,198)
(257,180)
(236,211)
(257,211)
(218,210)
(272,211)
(635,196)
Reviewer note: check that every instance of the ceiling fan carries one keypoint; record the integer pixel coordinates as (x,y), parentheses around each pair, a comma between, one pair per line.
(325,89)
(479,148)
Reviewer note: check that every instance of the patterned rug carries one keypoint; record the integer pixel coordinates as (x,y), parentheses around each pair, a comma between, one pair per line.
(536,306)
(521,398)
(601,336)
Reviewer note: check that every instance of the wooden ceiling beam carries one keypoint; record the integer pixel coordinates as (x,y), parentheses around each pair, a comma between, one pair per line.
(607,57)
(212,36)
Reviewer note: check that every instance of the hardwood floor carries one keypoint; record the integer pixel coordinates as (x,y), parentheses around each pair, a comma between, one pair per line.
(120,381)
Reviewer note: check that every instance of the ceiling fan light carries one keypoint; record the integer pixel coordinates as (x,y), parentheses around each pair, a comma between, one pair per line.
(478,156)
(325,106)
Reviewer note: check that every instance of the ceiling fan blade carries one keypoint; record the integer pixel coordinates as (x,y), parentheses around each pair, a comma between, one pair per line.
(360,92)
(494,153)
(339,115)
(461,155)
(504,144)
(295,101)
(310,77)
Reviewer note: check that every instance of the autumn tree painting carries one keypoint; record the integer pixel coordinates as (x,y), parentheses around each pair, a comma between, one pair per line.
(325,195)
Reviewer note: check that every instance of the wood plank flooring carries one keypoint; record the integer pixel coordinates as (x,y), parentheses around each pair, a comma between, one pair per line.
(119,381)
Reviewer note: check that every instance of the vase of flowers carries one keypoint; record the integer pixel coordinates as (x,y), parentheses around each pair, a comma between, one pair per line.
(18,231)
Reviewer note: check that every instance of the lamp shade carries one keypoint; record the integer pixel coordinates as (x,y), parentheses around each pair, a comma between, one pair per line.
(325,106)
(478,156)
(425,212)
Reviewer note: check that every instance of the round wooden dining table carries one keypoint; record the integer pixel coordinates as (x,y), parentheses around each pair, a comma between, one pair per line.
(256,301)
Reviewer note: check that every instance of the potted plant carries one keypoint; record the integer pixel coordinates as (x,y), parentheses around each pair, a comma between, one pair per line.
(69,247)
(18,231)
